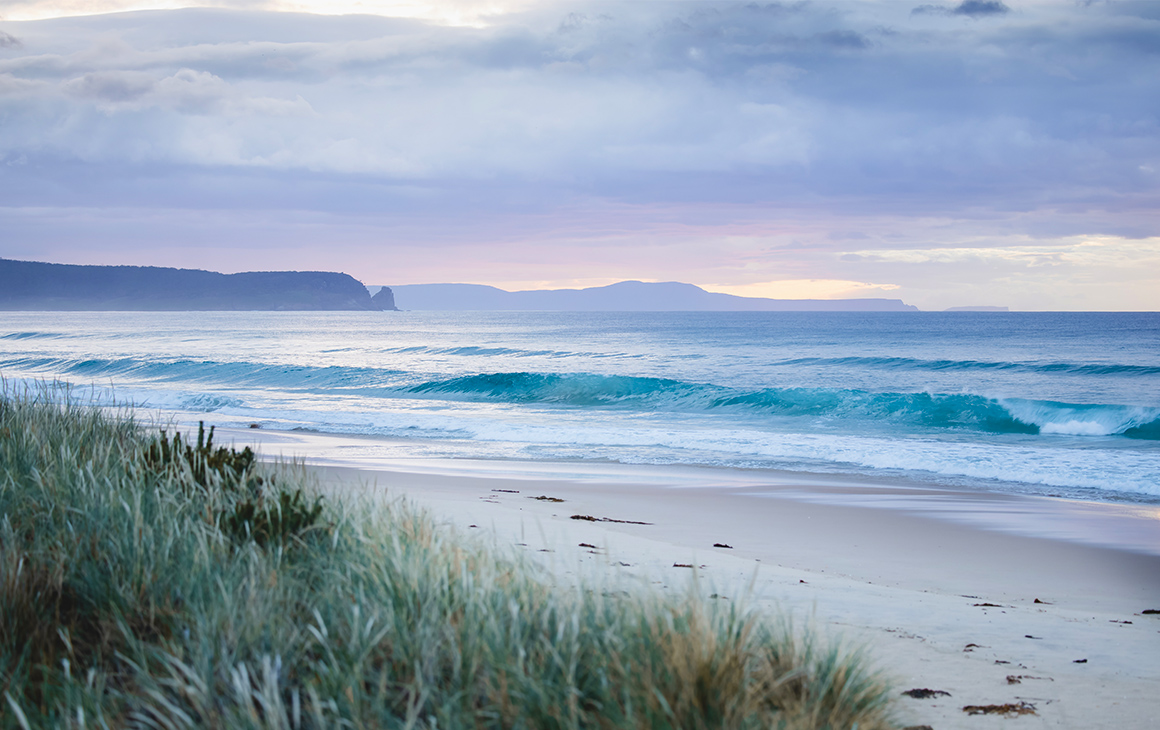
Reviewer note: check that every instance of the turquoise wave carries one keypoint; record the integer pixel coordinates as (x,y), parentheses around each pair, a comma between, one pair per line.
(924,410)
(915,411)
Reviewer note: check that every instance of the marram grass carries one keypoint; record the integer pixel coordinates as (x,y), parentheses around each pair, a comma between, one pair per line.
(153,581)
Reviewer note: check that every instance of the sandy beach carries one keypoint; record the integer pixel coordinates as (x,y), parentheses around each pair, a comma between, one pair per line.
(993,599)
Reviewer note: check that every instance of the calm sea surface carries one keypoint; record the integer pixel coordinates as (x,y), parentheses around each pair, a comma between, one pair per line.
(1045,403)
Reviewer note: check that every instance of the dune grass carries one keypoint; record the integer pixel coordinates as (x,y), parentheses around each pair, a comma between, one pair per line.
(157,581)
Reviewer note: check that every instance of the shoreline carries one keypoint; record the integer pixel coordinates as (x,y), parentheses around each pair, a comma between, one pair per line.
(991,616)
(1120,526)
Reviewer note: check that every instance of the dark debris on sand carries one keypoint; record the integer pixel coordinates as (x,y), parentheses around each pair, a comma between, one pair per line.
(590,518)
(1010,709)
(1018,678)
(924,693)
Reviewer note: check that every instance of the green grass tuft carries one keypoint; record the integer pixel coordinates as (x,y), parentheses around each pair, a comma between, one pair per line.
(147,580)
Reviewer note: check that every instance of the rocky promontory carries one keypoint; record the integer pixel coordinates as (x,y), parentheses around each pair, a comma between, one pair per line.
(31,285)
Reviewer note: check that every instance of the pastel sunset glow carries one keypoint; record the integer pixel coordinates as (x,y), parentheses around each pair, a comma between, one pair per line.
(943,153)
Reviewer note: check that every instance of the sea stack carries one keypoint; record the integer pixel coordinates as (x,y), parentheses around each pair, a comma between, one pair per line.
(384,299)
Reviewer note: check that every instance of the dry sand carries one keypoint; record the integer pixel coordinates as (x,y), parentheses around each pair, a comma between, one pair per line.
(993,599)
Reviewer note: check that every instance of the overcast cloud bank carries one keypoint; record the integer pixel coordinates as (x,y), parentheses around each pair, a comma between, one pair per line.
(1005,153)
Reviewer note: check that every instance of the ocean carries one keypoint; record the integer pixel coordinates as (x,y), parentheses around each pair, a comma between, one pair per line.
(1060,404)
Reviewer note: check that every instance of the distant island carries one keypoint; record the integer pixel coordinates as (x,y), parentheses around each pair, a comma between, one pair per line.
(626,296)
(31,285)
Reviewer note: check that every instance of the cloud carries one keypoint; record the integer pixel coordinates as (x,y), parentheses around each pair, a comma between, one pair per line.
(632,136)
(186,91)
(847,39)
(10,84)
(113,86)
(808,289)
(451,12)
(656,102)
(1070,273)
(9,41)
(970,8)
(976,8)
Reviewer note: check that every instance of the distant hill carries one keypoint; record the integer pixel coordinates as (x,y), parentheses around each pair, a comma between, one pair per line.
(33,285)
(626,296)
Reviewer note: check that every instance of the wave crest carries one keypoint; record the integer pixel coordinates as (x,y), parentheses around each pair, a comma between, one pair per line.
(927,410)
(825,406)
(1086,420)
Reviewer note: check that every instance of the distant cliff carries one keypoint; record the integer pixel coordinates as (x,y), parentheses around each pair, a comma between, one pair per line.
(33,285)
(626,296)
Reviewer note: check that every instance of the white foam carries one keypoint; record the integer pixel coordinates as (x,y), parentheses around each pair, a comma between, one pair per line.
(1078,428)
(1055,418)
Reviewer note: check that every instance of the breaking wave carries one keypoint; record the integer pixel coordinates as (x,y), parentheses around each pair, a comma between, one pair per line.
(922,411)
(927,410)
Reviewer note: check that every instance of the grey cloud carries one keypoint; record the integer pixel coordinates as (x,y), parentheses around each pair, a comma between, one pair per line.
(10,84)
(674,104)
(1147,9)
(186,91)
(256,60)
(723,40)
(113,86)
(748,31)
(970,8)
(9,41)
(981,7)
(844,39)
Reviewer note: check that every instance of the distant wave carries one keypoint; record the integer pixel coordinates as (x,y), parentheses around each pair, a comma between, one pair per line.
(477,351)
(233,374)
(885,363)
(32,336)
(909,363)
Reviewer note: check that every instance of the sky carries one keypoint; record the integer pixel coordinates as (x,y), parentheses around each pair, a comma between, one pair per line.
(968,152)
